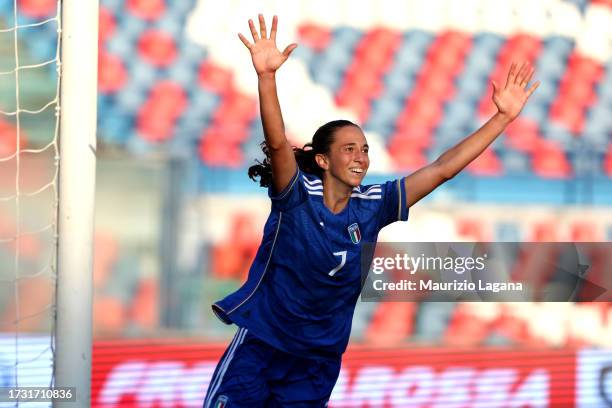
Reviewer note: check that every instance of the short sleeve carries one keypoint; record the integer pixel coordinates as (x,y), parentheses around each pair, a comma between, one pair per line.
(292,196)
(393,205)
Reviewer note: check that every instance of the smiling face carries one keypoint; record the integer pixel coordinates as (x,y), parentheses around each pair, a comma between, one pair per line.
(347,160)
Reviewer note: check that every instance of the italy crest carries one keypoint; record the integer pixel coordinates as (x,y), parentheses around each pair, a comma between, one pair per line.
(354,233)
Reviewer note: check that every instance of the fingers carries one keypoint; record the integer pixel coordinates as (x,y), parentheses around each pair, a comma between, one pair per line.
(289,49)
(527,77)
(532,88)
(253,30)
(511,74)
(495,87)
(520,74)
(245,41)
(262,27)
(273,30)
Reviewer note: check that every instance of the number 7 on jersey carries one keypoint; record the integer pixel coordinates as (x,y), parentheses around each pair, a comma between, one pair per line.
(342,254)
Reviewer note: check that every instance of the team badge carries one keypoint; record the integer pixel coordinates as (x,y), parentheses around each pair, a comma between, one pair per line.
(354,233)
(221,402)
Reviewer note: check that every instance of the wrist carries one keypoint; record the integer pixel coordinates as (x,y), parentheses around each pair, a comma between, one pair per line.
(266,75)
(502,118)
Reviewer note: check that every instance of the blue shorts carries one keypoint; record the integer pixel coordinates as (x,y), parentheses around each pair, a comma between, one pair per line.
(253,374)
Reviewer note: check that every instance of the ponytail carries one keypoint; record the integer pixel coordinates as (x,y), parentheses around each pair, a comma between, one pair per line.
(305,156)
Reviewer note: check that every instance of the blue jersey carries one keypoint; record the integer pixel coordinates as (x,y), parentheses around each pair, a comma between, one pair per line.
(302,288)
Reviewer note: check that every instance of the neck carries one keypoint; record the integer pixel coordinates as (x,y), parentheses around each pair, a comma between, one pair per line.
(336,194)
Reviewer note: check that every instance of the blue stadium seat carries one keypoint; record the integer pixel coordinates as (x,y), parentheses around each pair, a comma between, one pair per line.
(561,46)
(479,62)
(515,162)
(550,66)
(183,73)
(306,54)
(536,110)
(383,116)
(398,84)
(117,126)
(142,73)
(559,134)
(489,41)
(328,76)
(418,39)
(470,87)
(192,53)
(130,98)
(507,232)
(347,36)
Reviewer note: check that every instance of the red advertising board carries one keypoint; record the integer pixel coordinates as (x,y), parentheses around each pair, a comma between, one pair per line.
(150,373)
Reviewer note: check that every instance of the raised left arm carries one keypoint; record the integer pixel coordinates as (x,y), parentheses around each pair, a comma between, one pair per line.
(509,101)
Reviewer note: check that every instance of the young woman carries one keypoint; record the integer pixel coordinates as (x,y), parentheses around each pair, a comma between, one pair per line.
(295,310)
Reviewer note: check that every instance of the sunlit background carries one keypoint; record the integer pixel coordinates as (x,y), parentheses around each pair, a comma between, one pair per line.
(178,221)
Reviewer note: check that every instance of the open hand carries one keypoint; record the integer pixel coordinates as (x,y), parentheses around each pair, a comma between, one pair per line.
(512,97)
(265,55)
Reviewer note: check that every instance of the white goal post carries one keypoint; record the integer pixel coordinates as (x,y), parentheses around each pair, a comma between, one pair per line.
(77,146)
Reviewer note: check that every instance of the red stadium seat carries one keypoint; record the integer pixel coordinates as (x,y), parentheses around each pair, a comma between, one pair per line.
(109,315)
(233,257)
(544,231)
(8,139)
(154,128)
(487,164)
(568,114)
(522,135)
(607,165)
(143,311)
(416,138)
(236,109)
(157,48)
(146,9)
(420,114)
(585,68)
(37,9)
(407,157)
(314,36)
(549,161)
(583,231)
(112,74)
(217,152)
(169,98)
(106,25)
(391,324)
(214,78)
(472,230)
(606,3)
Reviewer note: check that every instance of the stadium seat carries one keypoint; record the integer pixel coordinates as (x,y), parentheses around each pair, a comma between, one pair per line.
(472,230)
(608,162)
(157,48)
(584,231)
(544,231)
(487,164)
(549,161)
(507,232)
(391,324)
(143,310)
(112,74)
(106,25)
(214,78)
(314,36)
(406,156)
(148,10)
(38,9)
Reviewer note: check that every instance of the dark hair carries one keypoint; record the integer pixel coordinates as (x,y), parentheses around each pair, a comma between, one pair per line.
(305,157)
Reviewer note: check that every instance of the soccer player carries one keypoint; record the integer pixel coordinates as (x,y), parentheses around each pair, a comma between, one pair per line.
(295,310)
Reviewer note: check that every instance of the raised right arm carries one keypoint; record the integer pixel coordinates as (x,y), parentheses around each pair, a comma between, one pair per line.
(267,59)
